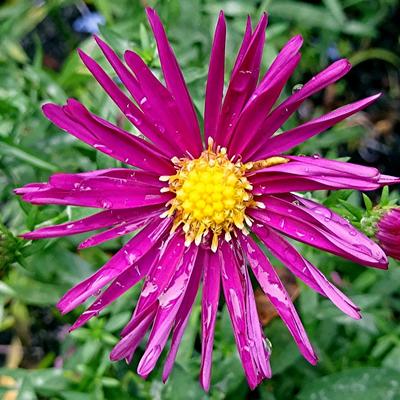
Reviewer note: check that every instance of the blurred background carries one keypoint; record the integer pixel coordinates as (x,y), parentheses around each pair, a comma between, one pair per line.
(39,63)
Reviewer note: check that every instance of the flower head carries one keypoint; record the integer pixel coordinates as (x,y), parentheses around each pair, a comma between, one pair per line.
(388,232)
(196,197)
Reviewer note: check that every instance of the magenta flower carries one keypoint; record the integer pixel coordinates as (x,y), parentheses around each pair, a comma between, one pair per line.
(194,198)
(388,232)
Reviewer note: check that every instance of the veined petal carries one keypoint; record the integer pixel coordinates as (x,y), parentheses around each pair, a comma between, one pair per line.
(121,175)
(215,80)
(136,248)
(160,102)
(244,46)
(242,84)
(169,304)
(147,118)
(294,222)
(174,78)
(107,196)
(235,301)
(128,226)
(258,107)
(291,258)
(277,295)
(123,282)
(209,310)
(288,52)
(293,137)
(127,346)
(159,277)
(183,314)
(96,221)
(262,354)
(106,137)
(281,113)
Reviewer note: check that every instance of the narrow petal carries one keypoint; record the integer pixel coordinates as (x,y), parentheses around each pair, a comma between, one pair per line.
(264,97)
(174,78)
(123,282)
(296,223)
(281,113)
(209,310)
(277,295)
(99,220)
(159,277)
(107,138)
(182,317)
(293,137)
(258,107)
(244,46)
(290,257)
(234,296)
(169,304)
(261,355)
(158,99)
(128,344)
(134,114)
(106,195)
(120,175)
(242,84)
(289,51)
(215,80)
(136,248)
(124,228)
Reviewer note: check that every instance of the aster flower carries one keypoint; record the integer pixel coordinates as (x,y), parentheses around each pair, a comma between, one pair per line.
(388,231)
(194,198)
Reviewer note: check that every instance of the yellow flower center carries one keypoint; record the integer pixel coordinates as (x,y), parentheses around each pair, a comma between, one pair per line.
(212,194)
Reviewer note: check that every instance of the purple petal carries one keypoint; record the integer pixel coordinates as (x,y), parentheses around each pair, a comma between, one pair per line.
(290,257)
(182,317)
(277,295)
(159,277)
(281,113)
(261,355)
(293,137)
(107,138)
(244,46)
(340,226)
(209,310)
(174,78)
(258,107)
(235,301)
(157,99)
(99,220)
(128,344)
(215,80)
(134,114)
(169,304)
(124,228)
(242,84)
(108,195)
(294,222)
(291,48)
(123,282)
(118,175)
(136,248)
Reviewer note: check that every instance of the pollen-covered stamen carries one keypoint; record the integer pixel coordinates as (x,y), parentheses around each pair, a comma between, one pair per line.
(212,194)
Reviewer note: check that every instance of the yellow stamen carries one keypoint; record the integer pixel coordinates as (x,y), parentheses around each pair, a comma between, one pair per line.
(212,194)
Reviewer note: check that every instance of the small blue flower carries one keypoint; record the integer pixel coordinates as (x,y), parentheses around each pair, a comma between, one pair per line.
(89,23)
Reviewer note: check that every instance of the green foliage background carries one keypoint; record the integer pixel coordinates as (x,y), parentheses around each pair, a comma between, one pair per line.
(358,359)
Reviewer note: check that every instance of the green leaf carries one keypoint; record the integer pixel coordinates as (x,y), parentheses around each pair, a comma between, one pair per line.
(367,202)
(10,149)
(355,384)
(385,196)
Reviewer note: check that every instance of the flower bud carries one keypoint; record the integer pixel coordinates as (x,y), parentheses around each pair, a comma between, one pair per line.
(388,232)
